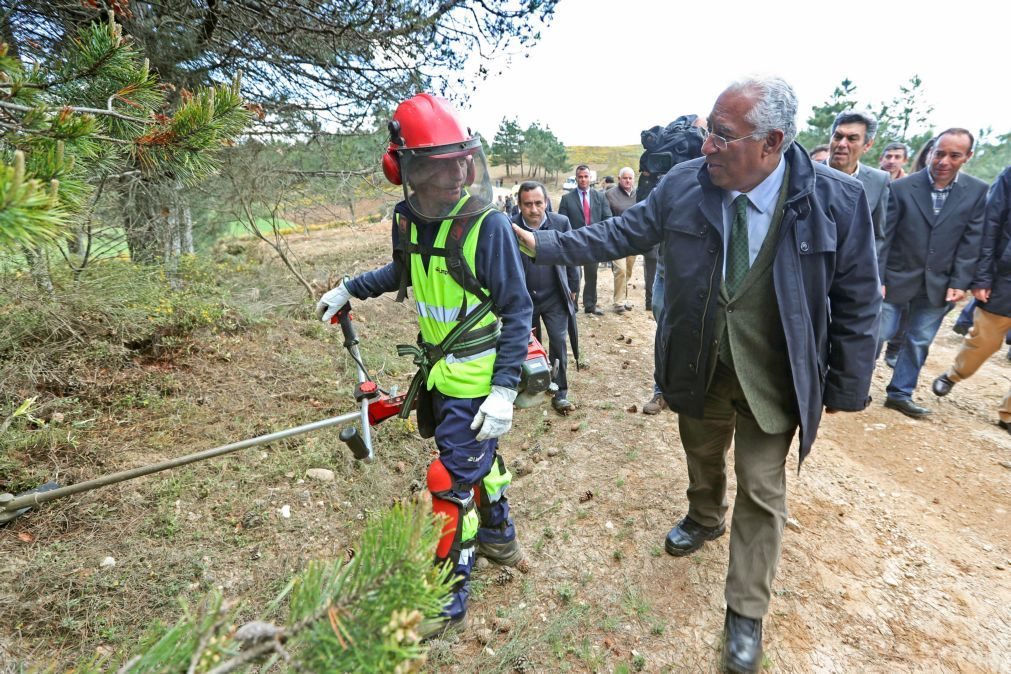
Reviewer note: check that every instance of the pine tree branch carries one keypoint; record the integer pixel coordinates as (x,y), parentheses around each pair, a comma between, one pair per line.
(88,111)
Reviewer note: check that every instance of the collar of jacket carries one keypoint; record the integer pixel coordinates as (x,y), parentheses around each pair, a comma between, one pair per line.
(800,181)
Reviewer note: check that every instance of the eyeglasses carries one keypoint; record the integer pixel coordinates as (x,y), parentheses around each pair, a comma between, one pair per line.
(719,141)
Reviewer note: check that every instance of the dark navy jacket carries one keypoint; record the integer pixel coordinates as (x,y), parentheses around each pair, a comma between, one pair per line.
(825,275)
(994,269)
(498,266)
(567,277)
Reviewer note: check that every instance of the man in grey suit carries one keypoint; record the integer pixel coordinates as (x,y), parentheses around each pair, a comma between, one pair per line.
(584,206)
(928,259)
(853,134)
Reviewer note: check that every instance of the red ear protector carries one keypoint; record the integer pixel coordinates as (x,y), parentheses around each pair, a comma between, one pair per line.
(391,165)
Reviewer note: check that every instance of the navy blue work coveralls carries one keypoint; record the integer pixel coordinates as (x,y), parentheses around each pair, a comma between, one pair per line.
(468,461)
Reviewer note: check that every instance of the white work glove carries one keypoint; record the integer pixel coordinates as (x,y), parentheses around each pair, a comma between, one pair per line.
(495,416)
(332,301)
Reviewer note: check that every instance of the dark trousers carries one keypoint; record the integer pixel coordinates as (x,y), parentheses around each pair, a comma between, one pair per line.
(555,316)
(649,268)
(590,286)
(468,461)
(756,533)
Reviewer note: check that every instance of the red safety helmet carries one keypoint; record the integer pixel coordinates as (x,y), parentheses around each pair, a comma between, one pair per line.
(428,124)
(426,128)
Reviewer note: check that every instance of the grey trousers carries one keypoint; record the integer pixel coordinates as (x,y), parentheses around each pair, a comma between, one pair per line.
(759,514)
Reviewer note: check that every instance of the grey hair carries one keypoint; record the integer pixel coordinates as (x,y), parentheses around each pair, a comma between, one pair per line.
(776,107)
(628,169)
(857,117)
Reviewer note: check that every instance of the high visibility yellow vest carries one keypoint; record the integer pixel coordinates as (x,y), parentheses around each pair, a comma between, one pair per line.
(442,303)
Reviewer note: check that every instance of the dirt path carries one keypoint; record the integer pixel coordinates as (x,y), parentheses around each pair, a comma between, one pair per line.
(897,557)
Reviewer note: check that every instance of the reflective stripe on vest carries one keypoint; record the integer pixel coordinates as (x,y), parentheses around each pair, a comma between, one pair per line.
(438,299)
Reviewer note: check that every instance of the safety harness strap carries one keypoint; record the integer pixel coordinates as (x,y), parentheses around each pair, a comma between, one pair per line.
(426,355)
(463,340)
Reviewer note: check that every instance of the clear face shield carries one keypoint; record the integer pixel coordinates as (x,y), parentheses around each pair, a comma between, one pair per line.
(447,180)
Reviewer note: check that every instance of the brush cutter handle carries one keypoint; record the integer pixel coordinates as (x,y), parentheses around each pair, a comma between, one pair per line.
(360,444)
(343,316)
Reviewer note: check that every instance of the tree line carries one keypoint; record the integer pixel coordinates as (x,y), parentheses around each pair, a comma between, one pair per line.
(545,154)
(905,118)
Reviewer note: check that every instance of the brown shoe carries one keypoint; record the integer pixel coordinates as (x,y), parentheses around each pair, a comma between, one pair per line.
(655,406)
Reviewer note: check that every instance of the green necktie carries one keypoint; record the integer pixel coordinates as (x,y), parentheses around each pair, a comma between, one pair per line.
(737,249)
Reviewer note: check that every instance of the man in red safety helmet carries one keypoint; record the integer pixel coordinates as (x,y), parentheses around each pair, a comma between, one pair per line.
(460,257)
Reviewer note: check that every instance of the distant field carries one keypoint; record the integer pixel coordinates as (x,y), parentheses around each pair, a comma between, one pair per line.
(237,228)
(605,160)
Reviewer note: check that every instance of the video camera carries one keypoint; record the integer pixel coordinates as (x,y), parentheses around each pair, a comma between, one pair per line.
(665,147)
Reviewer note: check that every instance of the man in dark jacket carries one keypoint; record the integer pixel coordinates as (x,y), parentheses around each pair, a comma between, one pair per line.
(584,206)
(928,256)
(992,290)
(550,288)
(771,305)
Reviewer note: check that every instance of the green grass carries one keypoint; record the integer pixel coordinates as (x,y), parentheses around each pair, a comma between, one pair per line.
(238,228)
(605,160)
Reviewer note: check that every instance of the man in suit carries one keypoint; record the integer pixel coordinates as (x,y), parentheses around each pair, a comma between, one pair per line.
(550,288)
(992,290)
(928,259)
(584,206)
(619,198)
(852,135)
(770,318)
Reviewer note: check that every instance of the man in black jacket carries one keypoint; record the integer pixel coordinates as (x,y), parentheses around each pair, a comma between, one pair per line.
(770,317)
(550,288)
(928,256)
(992,290)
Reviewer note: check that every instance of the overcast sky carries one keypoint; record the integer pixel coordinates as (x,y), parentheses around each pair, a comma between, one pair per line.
(605,70)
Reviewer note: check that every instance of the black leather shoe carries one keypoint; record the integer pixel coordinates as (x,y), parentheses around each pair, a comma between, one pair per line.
(907,407)
(960,329)
(595,312)
(688,536)
(1005,425)
(742,645)
(942,385)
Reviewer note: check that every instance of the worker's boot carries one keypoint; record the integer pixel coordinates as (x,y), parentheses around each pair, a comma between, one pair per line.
(505,554)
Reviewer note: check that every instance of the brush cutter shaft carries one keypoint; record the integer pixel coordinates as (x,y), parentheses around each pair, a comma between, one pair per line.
(41,497)
(12,506)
